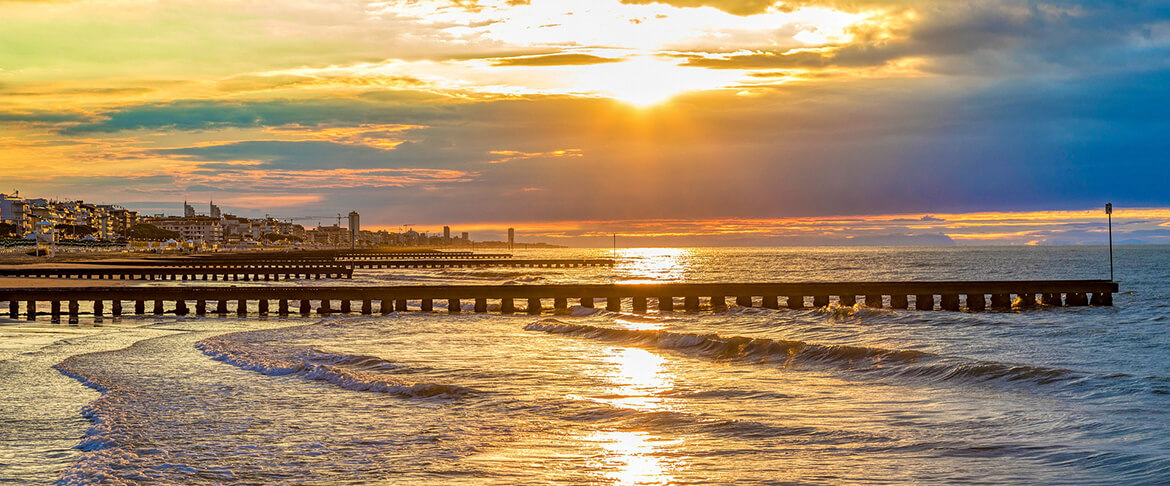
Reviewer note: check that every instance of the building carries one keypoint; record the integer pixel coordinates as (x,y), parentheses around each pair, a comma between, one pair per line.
(511,238)
(120,220)
(188,210)
(15,210)
(201,230)
(355,227)
(215,212)
(447,235)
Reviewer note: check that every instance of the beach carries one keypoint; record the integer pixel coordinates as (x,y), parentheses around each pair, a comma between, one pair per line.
(745,395)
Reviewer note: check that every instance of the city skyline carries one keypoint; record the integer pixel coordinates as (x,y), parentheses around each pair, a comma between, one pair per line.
(676,122)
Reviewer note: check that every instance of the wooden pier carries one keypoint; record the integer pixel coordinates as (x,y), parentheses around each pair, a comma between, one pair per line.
(374,263)
(516,263)
(207,272)
(973,296)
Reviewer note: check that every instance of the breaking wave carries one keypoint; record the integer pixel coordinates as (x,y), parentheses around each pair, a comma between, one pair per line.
(882,362)
(353,372)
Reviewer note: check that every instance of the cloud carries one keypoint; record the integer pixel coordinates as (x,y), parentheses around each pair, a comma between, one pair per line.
(554,60)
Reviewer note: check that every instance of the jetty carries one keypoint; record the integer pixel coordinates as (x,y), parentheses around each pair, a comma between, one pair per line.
(973,296)
(186,272)
(371,263)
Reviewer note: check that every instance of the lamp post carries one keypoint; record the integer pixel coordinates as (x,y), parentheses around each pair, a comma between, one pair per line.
(1109,214)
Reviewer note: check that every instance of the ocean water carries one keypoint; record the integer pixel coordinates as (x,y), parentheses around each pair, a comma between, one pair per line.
(743,396)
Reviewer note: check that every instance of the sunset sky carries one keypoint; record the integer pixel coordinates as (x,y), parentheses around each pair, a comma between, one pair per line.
(670,122)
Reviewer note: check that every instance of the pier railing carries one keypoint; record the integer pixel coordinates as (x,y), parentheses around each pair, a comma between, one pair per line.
(947,295)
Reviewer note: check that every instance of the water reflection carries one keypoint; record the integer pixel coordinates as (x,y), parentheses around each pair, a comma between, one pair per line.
(651,265)
(635,457)
(638,379)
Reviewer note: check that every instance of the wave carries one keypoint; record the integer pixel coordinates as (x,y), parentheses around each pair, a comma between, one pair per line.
(353,372)
(884,362)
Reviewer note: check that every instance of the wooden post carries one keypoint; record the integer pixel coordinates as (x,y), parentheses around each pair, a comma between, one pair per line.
(481,305)
(613,304)
(306,308)
(454,306)
(1001,301)
(386,306)
(718,302)
(507,305)
(400,305)
(587,302)
(795,302)
(116,307)
(534,306)
(325,308)
(367,306)
(74,310)
(1076,299)
(30,310)
(872,300)
(345,306)
(924,302)
(181,308)
(1051,299)
(770,302)
(262,307)
(899,302)
(848,300)
(560,304)
(691,303)
(158,308)
(55,312)
(221,307)
(13,309)
(99,309)
(282,307)
(820,301)
(666,303)
(139,307)
(428,305)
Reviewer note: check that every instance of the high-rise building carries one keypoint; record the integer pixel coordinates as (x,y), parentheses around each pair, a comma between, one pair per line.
(511,238)
(355,227)
(446,234)
(215,212)
(188,210)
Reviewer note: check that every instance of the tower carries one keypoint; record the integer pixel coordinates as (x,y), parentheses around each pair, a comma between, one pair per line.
(511,238)
(188,210)
(354,228)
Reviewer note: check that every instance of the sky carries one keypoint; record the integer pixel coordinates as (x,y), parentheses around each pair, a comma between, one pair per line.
(670,122)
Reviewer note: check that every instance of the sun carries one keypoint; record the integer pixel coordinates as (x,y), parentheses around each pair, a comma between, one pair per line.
(645,81)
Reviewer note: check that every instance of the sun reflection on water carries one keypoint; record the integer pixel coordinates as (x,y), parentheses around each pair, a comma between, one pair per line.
(651,265)
(638,378)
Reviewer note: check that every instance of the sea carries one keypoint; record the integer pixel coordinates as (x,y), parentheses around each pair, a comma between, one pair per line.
(833,395)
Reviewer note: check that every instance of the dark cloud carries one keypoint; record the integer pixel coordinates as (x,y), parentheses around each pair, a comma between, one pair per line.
(211,114)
